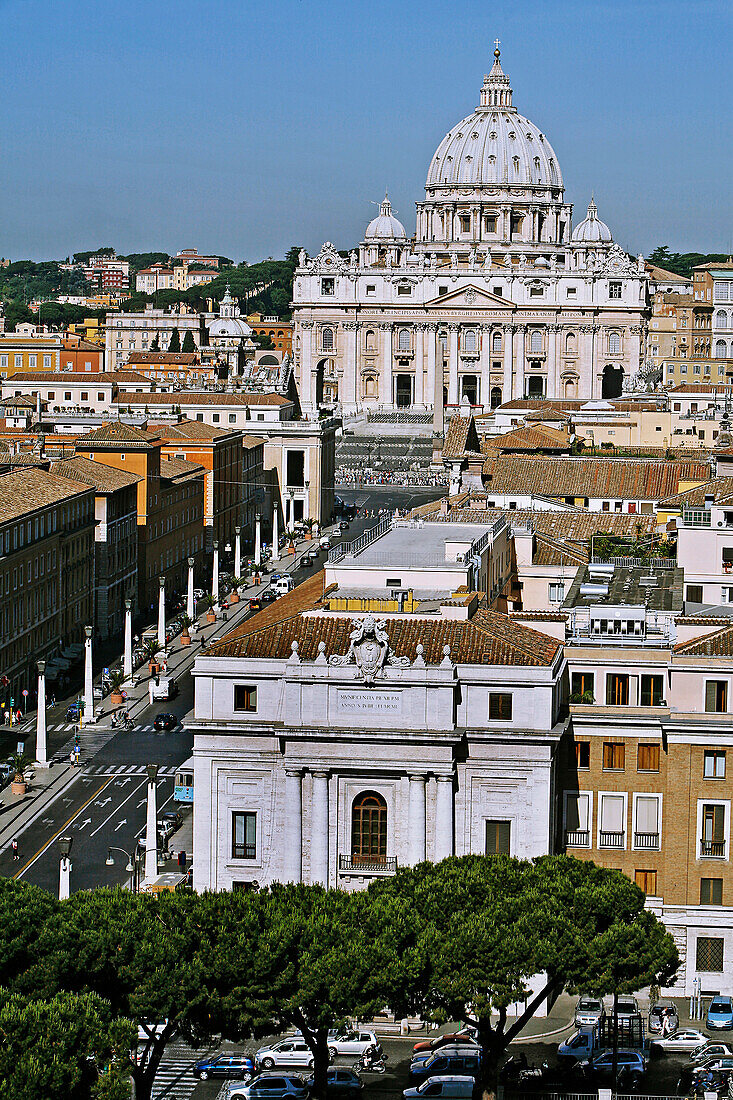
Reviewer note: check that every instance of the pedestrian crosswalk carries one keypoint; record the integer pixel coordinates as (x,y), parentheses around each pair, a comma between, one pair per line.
(126,769)
(175,1077)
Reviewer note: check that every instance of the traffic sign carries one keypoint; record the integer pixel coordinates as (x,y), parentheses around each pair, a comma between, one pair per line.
(20,748)
(105,672)
(24,693)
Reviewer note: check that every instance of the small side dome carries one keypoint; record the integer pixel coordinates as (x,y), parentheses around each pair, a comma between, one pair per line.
(385,226)
(592,230)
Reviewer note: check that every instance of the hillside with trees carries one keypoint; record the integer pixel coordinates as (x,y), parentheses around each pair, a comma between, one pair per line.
(682,263)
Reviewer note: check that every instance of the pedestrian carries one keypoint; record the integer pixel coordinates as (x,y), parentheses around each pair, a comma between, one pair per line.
(18,715)
(14,846)
(53,700)
(72,758)
(6,715)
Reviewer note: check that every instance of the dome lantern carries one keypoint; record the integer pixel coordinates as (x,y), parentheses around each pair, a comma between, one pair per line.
(496,90)
(385,226)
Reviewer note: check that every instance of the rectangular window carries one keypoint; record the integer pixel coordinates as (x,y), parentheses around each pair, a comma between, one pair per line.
(582,683)
(371,288)
(245,697)
(716,696)
(612,830)
(652,691)
(47,362)
(582,755)
(709,955)
(500,706)
(614,756)
(556,592)
(577,819)
(614,290)
(713,831)
(465,223)
(442,290)
(647,758)
(572,291)
(498,838)
(646,881)
(694,593)
(646,830)
(244,836)
(617,690)
(713,766)
(232,418)
(711,891)
(490,224)
(328,287)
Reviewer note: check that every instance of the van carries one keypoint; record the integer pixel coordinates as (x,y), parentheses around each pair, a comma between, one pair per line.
(465,1062)
(448,1087)
(165,688)
(283,584)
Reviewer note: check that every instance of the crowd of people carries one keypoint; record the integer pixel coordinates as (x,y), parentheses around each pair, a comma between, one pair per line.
(365,475)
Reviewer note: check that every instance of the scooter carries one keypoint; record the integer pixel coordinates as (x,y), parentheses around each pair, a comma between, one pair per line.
(370,1062)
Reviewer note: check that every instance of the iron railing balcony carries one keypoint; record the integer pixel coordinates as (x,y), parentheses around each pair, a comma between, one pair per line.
(714,848)
(368,864)
(611,840)
(647,841)
(577,838)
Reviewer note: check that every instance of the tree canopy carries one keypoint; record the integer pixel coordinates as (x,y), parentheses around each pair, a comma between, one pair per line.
(682,263)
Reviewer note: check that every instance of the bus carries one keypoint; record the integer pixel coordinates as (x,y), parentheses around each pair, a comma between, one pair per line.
(183,788)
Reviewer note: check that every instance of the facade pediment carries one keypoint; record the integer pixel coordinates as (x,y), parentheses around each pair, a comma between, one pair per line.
(470,297)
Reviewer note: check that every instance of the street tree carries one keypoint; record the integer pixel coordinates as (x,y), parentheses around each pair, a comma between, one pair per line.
(188,341)
(175,341)
(493,931)
(68,1045)
(24,911)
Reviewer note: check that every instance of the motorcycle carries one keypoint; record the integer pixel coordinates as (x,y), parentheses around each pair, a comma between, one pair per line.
(370,1062)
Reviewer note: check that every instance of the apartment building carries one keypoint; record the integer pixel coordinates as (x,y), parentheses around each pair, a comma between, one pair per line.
(279,332)
(128,332)
(173,369)
(150,279)
(46,572)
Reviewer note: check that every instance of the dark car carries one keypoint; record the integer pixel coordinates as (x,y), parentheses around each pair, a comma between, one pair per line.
(232,1067)
(630,1067)
(268,596)
(462,1062)
(339,1082)
(173,817)
(72,713)
(255,603)
(165,722)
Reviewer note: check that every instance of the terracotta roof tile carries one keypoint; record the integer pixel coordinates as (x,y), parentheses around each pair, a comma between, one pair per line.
(717,487)
(202,397)
(105,479)
(187,429)
(26,490)
(117,433)
(623,479)
(460,437)
(717,644)
(178,469)
(574,524)
(165,358)
(527,439)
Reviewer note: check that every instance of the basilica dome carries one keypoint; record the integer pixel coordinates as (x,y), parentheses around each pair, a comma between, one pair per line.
(385,226)
(495,145)
(592,230)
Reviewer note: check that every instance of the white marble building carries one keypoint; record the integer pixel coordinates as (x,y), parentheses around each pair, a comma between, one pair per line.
(333,748)
(495,297)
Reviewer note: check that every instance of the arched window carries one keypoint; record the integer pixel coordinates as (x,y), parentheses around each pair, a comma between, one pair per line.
(371,340)
(535,342)
(614,343)
(469,340)
(515,162)
(571,344)
(720,349)
(553,172)
(495,397)
(496,342)
(403,339)
(721,319)
(537,165)
(327,339)
(369,828)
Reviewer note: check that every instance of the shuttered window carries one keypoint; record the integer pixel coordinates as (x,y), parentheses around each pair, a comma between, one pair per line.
(498,838)
(647,758)
(711,891)
(614,755)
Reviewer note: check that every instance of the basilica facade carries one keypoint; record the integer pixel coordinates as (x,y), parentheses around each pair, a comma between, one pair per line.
(495,297)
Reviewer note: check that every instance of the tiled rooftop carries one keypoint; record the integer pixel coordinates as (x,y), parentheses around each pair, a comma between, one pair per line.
(26,490)
(105,479)
(616,478)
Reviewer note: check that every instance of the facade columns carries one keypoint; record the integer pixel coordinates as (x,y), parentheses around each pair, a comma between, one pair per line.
(258,539)
(190,601)
(587,382)
(416,817)
(435,379)
(294,825)
(88,676)
(215,574)
(419,365)
(161,612)
(127,658)
(507,394)
(485,367)
(453,364)
(553,382)
(521,331)
(41,745)
(319,829)
(444,817)
(307,379)
(237,551)
(275,533)
(387,384)
(350,394)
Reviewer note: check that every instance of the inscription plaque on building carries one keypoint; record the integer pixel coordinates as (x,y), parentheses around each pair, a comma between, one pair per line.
(354,701)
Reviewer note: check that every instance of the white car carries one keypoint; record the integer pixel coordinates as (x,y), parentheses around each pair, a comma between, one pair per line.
(712,1049)
(288,1052)
(353,1042)
(684,1039)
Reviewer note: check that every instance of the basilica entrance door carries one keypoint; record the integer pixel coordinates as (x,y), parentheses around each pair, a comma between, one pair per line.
(403,391)
(613,381)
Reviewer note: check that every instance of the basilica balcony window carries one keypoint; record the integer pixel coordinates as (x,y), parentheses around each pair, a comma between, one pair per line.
(465,223)
(490,224)
(368,836)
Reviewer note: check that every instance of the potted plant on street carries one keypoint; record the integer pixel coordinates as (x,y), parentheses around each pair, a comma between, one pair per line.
(211,604)
(185,636)
(19,763)
(116,679)
(234,594)
(308,535)
(151,650)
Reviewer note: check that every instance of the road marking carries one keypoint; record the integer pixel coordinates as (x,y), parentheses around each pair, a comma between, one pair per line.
(39,853)
(47,821)
(119,826)
(99,802)
(85,822)
(121,782)
(117,808)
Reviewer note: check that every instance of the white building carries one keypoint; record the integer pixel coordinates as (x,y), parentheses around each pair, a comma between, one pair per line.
(495,296)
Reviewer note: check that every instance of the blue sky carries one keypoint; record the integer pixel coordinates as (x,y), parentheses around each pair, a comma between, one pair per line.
(244,126)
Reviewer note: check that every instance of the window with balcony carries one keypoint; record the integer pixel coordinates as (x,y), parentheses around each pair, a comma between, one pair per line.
(711,891)
(403,340)
(612,830)
(244,835)
(369,830)
(652,691)
(328,287)
(582,687)
(647,758)
(712,841)
(614,290)
(617,689)
(577,819)
(469,340)
(709,955)
(646,826)
(614,756)
(716,696)
(498,838)
(327,339)
(500,706)
(646,881)
(713,764)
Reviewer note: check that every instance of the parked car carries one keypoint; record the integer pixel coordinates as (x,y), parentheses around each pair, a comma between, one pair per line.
(625,1008)
(454,1038)
(270,1087)
(165,722)
(198,593)
(424,1056)
(255,603)
(449,1087)
(720,1014)
(663,1010)
(589,1011)
(464,1062)
(6,772)
(710,1050)
(72,713)
(629,1062)
(579,1047)
(283,585)
(230,1065)
(268,596)
(339,1082)
(288,1052)
(173,818)
(685,1039)
(353,1042)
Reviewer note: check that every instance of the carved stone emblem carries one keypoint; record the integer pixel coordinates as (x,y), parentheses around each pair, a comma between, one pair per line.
(369,650)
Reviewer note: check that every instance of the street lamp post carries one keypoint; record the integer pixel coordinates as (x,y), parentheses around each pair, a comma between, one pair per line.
(41,746)
(65,843)
(151,831)
(88,676)
(215,574)
(275,535)
(291,518)
(161,614)
(258,540)
(190,602)
(127,660)
(131,867)
(237,551)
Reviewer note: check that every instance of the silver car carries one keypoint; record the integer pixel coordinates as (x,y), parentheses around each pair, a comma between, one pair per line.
(288,1052)
(589,1011)
(271,1087)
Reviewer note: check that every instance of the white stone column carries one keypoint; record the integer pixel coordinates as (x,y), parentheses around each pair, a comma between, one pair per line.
(275,532)
(41,745)
(521,332)
(485,367)
(416,819)
(319,829)
(552,379)
(453,365)
(190,601)
(387,396)
(127,658)
(293,825)
(430,330)
(419,364)
(151,825)
(215,573)
(506,394)
(161,614)
(307,379)
(444,817)
(64,878)
(258,539)
(237,551)
(88,676)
